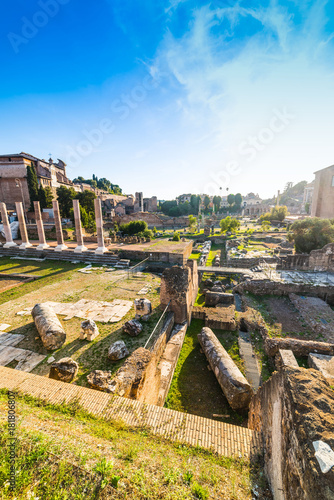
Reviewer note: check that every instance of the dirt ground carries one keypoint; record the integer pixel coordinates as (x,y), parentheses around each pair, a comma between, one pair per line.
(286,318)
(70,286)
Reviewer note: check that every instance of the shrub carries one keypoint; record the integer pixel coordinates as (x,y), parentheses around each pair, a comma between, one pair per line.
(199,491)
(134,227)
(176,237)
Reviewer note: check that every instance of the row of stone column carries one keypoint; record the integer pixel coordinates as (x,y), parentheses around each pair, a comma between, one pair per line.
(59,231)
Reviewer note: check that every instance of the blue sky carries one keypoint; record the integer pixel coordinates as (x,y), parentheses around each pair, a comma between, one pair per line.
(172,96)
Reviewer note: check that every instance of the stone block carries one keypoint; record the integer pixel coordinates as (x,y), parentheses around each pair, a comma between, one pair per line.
(323,363)
(100,380)
(143,308)
(48,326)
(237,390)
(117,351)
(89,330)
(133,328)
(65,370)
(213,298)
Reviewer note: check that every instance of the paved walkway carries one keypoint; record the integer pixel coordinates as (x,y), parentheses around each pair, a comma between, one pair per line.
(224,439)
(225,270)
(251,365)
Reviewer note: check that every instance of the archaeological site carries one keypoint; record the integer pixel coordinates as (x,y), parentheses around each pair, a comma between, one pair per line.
(209,350)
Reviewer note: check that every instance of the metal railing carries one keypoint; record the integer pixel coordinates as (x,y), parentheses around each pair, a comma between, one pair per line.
(137,268)
(156,326)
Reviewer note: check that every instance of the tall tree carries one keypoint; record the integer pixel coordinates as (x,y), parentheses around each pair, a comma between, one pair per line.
(32,185)
(217,201)
(86,200)
(238,199)
(231,199)
(65,199)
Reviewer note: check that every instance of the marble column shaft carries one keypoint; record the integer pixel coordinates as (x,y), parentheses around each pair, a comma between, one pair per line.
(6,227)
(40,227)
(23,228)
(59,230)
(99,227)
(78,228)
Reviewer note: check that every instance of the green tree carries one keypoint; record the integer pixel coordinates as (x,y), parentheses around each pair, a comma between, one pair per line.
(238,200)
(217,201)
(231,199)
(311,234)
(176,237)
(48,196)
(134,227)
(207,201)
(65,198)
(86,199)
(32,185)
(307,207)
(229,224)
(42,197)
(192,222)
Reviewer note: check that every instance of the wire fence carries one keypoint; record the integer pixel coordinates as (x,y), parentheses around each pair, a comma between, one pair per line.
(137,268)
(157,329)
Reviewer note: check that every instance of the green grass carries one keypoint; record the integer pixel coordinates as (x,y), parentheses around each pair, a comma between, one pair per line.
(64,453)
(49,270)
(194,388)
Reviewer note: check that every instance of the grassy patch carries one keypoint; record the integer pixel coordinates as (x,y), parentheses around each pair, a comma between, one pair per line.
(65,453)
(194,388)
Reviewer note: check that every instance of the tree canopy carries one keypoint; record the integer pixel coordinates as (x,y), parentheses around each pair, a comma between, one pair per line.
(311,234)
(102,183)
(134,227)
(229,224)
(276,213)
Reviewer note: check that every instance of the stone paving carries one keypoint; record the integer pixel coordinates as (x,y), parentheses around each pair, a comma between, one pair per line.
(224,439)
(251,365)
(105,312)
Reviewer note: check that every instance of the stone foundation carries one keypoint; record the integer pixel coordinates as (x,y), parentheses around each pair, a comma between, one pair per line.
(291,411)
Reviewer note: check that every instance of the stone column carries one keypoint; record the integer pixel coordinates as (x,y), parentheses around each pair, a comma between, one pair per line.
(40,227)
(23,228)
(78,229)
(99,227)
(59,230)
(6,227)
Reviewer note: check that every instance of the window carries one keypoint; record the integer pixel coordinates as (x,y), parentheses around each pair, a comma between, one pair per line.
(332,180)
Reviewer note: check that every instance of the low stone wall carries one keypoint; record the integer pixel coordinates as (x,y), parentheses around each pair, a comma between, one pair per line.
(291,411)
(173,258)
(139,377)
(267,287)
(221,318)
(298,347)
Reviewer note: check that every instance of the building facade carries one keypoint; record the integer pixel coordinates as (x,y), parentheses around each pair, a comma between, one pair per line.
(13,177)
(323,194)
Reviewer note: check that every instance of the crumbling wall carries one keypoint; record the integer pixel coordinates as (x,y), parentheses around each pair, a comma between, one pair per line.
(140,378)
(267,287)
(291,411)
(176,288)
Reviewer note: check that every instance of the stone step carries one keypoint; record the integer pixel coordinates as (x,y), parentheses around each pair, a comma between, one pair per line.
(219,437)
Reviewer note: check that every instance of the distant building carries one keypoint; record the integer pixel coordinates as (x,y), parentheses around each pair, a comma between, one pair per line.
(183,198)
(308,194)
(251,199)
(323,194)
(13,177)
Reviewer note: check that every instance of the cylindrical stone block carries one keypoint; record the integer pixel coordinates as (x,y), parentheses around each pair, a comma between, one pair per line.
(59,230)
(40,227)
(23,228)
(236,388)
(6,227)
(99,227)
(78,228)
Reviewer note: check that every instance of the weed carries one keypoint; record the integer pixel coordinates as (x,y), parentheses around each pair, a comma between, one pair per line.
(199,491)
